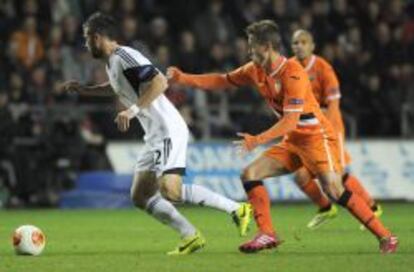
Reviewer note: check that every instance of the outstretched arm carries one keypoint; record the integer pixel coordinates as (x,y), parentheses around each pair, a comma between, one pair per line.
(285,125)
(212,81)
(103,89)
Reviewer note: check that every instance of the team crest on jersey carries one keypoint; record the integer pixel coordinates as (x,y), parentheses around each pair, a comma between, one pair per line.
(312,77)
(278,86)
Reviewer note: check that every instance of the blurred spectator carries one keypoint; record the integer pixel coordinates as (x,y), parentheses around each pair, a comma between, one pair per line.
(38,87)
(241,51)
(106,6)
(7,175)
(6,124)
(94,155)
(72,34)
(163,57)
(127,8)
(213,25)
(131,31)
(188,57)
(26,45)
(158,33)
(62,8)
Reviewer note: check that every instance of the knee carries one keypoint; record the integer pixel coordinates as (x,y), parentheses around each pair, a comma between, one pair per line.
(332,194)
(248,174)
(301,178)
(171,191)
(144,186)
(139,200)
(332,187)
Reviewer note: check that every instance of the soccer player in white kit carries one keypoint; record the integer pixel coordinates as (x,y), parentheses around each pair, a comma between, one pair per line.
(158,172)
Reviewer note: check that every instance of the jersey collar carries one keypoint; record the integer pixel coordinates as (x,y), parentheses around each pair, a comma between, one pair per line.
(309,62)
(278,65)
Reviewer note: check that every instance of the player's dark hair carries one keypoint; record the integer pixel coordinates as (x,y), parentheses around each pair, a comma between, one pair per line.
(264,32)
(99,23)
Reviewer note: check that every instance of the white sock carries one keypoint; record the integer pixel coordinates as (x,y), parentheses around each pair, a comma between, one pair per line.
(199,195)
(166,213)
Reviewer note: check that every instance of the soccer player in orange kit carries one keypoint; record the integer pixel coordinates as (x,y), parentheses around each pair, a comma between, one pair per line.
(325,87)
(308,137)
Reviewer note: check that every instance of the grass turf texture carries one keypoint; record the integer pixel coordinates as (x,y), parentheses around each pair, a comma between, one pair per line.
(129,240)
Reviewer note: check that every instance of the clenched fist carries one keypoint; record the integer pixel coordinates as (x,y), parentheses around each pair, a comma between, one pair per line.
(173,74)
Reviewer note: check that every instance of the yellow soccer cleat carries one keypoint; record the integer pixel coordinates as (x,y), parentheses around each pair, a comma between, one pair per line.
(323,217)
(242,217)
(189,245)
(377,212)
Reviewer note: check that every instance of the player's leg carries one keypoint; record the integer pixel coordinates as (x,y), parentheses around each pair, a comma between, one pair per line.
(174,190)
(267,165)
(359,209)
(172,157)
(309,186)
(352,183)
(322,158)
(145,195)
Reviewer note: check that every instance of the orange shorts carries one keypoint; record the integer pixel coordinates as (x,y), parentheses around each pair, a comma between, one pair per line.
(318,153)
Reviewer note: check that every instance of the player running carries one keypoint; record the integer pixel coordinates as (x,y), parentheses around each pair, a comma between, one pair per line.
(158,172)
(308,137)
(325,87)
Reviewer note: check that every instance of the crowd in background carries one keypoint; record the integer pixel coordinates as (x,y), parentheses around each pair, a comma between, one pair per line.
(370,44)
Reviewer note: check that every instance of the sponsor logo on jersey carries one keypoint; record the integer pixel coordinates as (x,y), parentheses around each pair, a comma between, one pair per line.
(295,101)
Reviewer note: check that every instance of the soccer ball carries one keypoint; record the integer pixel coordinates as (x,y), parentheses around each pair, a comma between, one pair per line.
(28,240)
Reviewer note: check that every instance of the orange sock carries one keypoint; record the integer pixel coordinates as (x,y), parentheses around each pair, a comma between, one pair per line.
(351,183)
(260,201)
(314,192)
(359,209)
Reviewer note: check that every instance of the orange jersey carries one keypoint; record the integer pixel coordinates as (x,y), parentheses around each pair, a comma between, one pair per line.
(325,84)
(286,89)
(312,143)
(325,87)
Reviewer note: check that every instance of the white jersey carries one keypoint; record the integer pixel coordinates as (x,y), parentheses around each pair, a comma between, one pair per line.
(128,70)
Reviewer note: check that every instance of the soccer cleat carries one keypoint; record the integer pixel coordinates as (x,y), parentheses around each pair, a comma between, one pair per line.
(189,245)
(323,217)
(260,242)
(242,217)
(377,212)
(389,244)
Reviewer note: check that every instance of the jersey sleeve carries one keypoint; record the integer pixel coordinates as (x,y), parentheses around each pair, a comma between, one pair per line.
(136,70)
(294,84)
(242,76)
(330,83)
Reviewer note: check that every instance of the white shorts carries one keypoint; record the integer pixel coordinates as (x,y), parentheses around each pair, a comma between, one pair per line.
(164,156)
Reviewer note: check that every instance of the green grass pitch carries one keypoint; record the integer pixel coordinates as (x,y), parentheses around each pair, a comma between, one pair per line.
(129,240)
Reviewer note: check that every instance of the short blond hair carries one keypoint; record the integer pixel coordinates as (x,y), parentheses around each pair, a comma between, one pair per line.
(265,31)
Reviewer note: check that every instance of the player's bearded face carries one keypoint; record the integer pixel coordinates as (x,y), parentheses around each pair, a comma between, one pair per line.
(92,44)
